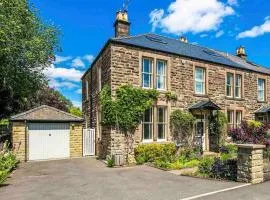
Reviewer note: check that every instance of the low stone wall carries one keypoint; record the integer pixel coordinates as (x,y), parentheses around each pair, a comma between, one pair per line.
(266,169)
(250,163)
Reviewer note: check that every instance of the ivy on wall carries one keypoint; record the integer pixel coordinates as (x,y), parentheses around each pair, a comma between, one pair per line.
(125,109)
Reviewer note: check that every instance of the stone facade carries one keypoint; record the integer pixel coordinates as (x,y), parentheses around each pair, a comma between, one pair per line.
(121,64)
(76,140)
(250,164)
(18,140)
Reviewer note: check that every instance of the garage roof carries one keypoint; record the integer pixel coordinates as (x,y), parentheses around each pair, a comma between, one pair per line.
(46,113)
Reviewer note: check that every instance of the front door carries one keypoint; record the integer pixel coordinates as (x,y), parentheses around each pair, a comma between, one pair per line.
(200,131)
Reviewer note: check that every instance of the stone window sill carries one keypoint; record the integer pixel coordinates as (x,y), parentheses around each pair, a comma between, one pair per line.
(201,95)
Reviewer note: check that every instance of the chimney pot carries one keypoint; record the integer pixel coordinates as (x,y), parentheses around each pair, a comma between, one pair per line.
(241,52)
(183,39)
(122,25)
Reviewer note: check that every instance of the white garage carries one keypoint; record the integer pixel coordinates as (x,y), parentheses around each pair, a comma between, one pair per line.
(46,133)
(48,141)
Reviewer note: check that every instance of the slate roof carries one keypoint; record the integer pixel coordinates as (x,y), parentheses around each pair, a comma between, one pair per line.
(263,109)
(174,46)
(46,113)
(205,105)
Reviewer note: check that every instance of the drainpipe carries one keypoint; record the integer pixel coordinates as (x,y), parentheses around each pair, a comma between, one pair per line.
(25,141)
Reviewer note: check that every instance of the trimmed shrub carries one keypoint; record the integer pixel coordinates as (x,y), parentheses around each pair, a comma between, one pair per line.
(155,152)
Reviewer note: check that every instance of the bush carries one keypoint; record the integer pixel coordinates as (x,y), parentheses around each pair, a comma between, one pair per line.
(224,169)
(110,162)
(250,132)
(205,166)
(155,152)
(8,162)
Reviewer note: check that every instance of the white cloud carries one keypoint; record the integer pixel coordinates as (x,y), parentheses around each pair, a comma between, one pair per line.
(191,16)
(256,30)
(62,84)
(77,62)
(219,34)
(232,2)
(77,103)
(155,17)
(90,58)
(66,74)
(60,59)
(203,35)
(79,91)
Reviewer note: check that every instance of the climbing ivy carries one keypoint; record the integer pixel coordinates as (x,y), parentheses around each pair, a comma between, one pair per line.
(125,109)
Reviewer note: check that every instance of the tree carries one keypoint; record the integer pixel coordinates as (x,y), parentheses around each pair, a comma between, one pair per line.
(26,46)
(49,96)
(75,111)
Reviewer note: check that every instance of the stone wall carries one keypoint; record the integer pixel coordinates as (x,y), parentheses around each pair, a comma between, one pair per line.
(250,164)
(76,140)
(18,140)
(266,169)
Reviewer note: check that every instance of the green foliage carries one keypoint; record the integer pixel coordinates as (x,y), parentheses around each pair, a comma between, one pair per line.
(182,124)
(205,166)
(155,153)
(26,46)
(254,124)
(171,96)
(126,109)
(217,123)
(180,164)
(75,111)
(8,162)
(4,122)
(110,163)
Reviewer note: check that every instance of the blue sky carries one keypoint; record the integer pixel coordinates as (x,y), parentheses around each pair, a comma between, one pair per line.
(87,24)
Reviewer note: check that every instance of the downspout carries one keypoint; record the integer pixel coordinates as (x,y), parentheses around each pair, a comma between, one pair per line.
(25,141)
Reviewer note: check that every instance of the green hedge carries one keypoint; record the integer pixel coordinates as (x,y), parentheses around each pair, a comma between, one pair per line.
(155,153)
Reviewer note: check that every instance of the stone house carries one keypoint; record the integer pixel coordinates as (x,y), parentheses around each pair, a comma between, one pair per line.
(202,78)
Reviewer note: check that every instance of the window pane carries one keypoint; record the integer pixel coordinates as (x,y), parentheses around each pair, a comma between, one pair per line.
(199,88)
(160,67)
(161,131)
(229,84)
(261,89)
(160,82)
(148,116)
(161,115)
(147,66)
(199,74)
(147,131)
(147,80)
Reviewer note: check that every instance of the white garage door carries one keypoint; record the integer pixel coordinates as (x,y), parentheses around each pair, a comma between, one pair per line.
(48,141)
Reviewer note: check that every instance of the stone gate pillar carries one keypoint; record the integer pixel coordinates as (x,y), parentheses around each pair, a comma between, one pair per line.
(250,163)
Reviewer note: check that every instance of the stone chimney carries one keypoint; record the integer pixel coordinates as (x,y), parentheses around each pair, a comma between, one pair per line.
(122,25)
(241,52)
(183,39)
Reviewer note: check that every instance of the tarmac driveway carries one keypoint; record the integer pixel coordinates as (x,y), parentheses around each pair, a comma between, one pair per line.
(89,179)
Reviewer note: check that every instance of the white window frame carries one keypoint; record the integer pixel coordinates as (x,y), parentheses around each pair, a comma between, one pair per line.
(152,127)
(231,114)
(263,90)
(229,85)
(238,87)
(147,73)
(238,120)
(162,123)
(164,76)
(203,81)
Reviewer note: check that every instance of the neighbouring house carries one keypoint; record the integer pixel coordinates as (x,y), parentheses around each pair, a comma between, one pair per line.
(203,79)
(45,133)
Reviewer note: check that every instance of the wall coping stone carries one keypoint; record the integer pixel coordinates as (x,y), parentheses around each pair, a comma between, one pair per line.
(251,146)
